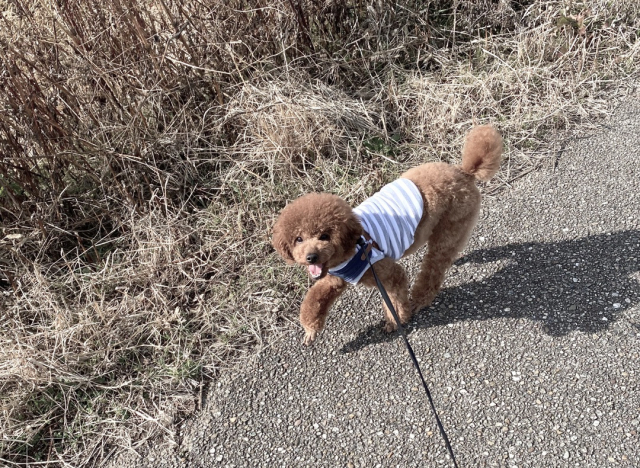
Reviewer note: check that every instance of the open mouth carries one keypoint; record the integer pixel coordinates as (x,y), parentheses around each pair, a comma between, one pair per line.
(315,270)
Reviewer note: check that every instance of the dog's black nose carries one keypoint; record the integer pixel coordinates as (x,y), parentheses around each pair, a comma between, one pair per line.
(312,258)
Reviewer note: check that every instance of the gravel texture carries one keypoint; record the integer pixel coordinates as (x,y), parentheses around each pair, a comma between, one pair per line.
(532,350)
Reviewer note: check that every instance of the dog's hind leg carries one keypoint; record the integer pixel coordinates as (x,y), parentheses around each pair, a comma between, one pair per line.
(445,244)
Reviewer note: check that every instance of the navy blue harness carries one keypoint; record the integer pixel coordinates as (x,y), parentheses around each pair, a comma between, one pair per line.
(359,263)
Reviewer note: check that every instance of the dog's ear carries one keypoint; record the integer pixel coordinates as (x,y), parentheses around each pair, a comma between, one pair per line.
(350,232)
(280,240)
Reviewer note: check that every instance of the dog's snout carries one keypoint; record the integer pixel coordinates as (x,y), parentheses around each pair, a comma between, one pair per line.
(312,258)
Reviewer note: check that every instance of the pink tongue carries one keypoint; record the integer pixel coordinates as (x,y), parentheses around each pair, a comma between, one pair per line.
(315,270)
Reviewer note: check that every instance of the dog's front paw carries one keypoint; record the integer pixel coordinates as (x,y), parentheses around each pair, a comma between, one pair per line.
(309,337)
(415,306)
(422,301)
(389,327)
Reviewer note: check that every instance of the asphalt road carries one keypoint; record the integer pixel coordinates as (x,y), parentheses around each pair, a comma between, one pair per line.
(532,350)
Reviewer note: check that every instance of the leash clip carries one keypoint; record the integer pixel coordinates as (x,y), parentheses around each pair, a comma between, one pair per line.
(368,245)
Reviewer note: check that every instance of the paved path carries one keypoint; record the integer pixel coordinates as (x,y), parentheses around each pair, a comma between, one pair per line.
(532,351)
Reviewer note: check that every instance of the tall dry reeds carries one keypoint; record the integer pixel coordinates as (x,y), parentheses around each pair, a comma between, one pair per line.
(146,147)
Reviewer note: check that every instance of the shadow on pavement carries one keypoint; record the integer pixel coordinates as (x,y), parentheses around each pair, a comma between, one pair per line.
(575,285)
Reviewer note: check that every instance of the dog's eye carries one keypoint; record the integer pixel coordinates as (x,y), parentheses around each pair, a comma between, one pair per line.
(324,237)
(298,240)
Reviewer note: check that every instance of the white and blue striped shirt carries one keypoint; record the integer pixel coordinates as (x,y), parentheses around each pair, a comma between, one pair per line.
(390,217)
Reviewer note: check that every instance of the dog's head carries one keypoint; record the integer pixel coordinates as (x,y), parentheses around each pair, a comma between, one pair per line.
(318,230)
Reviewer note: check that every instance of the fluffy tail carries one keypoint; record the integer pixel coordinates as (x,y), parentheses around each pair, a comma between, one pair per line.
(482,152)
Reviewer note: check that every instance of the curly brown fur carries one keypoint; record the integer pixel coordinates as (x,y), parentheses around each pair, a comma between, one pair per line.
(482,152)
(317,224)
(320,231)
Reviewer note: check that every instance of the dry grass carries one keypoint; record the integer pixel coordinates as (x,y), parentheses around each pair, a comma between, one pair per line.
(147,146)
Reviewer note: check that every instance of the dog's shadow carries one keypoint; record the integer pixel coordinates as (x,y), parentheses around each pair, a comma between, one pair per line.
(574,285)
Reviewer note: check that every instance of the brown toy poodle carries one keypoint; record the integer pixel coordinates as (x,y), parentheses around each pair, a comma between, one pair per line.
(435,204)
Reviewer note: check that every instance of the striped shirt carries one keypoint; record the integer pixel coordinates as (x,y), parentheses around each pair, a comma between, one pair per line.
(390,217)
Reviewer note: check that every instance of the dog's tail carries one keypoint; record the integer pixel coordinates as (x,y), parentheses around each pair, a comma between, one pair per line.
(482,152)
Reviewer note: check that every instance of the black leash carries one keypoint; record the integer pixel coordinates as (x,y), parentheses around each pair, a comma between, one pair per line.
(386,299)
